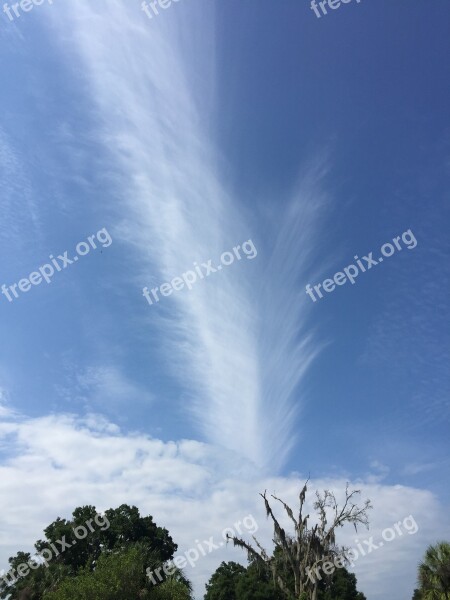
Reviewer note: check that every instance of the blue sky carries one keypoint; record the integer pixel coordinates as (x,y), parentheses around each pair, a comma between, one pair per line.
(185,135)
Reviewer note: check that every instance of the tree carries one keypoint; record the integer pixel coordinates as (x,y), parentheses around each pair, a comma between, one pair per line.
(223,583)
(298,555)
(341,586)
(257,584)
(78,555)
(434,573)
(119,576)
(232,581)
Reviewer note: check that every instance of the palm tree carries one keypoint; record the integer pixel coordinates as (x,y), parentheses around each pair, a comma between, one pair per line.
(434,572)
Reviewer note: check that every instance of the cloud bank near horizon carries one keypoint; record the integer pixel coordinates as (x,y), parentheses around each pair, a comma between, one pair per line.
(57,462)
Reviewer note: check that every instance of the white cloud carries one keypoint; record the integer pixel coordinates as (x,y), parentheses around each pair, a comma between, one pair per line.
(422,467)
(107,384)
(97,386)
(233,339)
(59,462)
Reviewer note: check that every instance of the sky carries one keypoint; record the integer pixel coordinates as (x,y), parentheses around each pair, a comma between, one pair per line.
(309,142)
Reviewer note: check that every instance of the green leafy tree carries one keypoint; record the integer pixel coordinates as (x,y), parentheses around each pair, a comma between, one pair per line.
(232,581)
(340,586)
(119,576)
(113,533)
(434,573)
(257,584)
(223,583)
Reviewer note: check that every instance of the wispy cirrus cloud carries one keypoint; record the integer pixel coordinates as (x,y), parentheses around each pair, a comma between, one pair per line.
(5,409)
(19,211)
(403,335)
(96,386)
(238,344)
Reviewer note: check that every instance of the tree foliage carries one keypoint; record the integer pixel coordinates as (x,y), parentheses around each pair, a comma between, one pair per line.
(92,565)
(222,585)
(232,581)
(434,573)
(119,576)
(341,586)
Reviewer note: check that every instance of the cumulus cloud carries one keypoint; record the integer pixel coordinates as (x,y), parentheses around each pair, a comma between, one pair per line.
(58,462)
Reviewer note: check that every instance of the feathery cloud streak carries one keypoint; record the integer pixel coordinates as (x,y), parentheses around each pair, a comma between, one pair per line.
(229,339)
